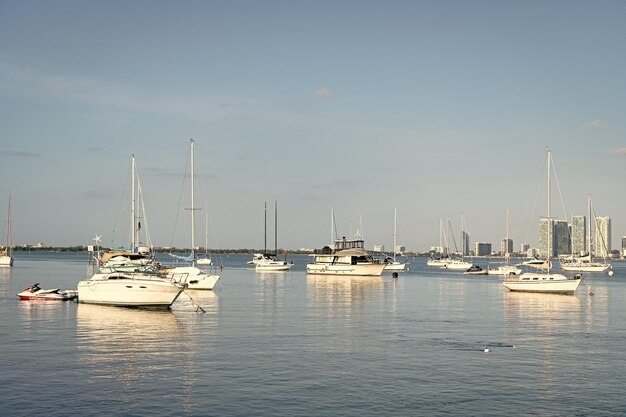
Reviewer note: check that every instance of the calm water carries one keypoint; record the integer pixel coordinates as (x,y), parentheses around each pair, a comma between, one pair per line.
(288,344)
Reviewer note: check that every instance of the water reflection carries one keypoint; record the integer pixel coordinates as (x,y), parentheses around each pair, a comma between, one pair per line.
(343,293)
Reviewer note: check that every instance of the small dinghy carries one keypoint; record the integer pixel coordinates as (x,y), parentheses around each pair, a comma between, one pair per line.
(34,292)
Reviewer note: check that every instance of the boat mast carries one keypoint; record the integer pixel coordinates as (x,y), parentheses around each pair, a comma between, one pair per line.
(9,229)
(589,228)
(395,232)
(275,227)
(133,204)
(265,233)
(550,229)
(193,213)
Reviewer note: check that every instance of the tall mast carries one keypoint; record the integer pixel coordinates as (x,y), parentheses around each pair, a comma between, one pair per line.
(9,229)
(549,195)
(506,249)
(462,235)
(589,228)
(265,234)
(193,213)
(133,229)
(275,227)
(395,232)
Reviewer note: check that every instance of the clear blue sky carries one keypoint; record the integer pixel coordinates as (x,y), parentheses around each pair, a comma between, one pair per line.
(433,107)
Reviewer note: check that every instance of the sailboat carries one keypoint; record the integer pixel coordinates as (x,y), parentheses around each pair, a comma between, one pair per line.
(269,261)
(505,269)
(458,263)
(138,255)
(585,263)
(205,259)
(395,265)
(195,278)
(6,255)
(439,261)
(128,278)
(544,282)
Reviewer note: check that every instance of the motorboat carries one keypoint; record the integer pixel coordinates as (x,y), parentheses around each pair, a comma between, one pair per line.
(540,282)
(270,262)
(256,258)
(504,270)
(457,264)
(130,289)
(345,257)
(475,270)
(194,278)
(34,292)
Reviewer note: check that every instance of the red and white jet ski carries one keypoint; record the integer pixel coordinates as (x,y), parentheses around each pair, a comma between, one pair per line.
(34,292)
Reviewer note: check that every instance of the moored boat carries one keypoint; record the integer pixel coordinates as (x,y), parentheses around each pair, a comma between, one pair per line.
(345,257)
(34,292)
(540,282)
(129,289)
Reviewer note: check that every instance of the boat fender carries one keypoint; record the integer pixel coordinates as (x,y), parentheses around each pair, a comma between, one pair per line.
(394,275)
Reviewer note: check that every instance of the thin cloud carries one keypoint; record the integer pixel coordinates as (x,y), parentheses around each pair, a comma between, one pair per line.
(324,93)
(21,154)
(596,124)
(619,151)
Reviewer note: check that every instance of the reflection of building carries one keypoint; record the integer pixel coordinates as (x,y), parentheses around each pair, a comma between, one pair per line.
(602,238)
(579,235)
(482,249)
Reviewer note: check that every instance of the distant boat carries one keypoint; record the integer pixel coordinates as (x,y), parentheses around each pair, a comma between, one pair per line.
(395,265)
(204,258)
(543,282)
(269,261)
(475,270)
(344,257)
(6,255)
(585,263)
(195,278)
(138,255)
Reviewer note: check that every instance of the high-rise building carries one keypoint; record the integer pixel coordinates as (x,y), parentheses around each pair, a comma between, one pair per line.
(579,235)
(506,246)
(482,249)
(562,244)
(523,248)
(465,243)
(623,245)
(602,237)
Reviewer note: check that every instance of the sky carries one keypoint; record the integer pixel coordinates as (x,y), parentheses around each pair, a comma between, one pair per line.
(439,109)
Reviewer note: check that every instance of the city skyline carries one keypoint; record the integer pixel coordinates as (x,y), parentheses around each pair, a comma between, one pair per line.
(441,110)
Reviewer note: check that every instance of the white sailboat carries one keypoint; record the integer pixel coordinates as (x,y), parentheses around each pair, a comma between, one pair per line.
(269,261)
(138,255)
(458,264)
(6,255)
(195,278)
(505,269)
(585,263)
(205,259)
(543,282)
(344,257)
(439,261)
(395,265)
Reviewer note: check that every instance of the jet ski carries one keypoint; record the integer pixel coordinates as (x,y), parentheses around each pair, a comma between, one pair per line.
(34,292)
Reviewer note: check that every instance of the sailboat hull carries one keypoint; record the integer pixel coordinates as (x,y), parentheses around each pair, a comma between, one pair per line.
(6,260)
(582,267)
(542,283)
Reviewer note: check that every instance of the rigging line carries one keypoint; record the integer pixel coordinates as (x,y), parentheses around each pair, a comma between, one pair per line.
(531,212)
(180,199)
(143,211)
(122,202)
(558,186)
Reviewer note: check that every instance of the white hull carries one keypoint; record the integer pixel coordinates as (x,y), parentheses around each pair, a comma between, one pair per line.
(585,267)
(204,262)
(131,291)
(504,270)
(457,265)
(396,266)
(545,283)
(280,266)
(194,278)
(6,260)
(437,263)
(345,269)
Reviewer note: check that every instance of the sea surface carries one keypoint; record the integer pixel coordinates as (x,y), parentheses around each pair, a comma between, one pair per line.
(288,344)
